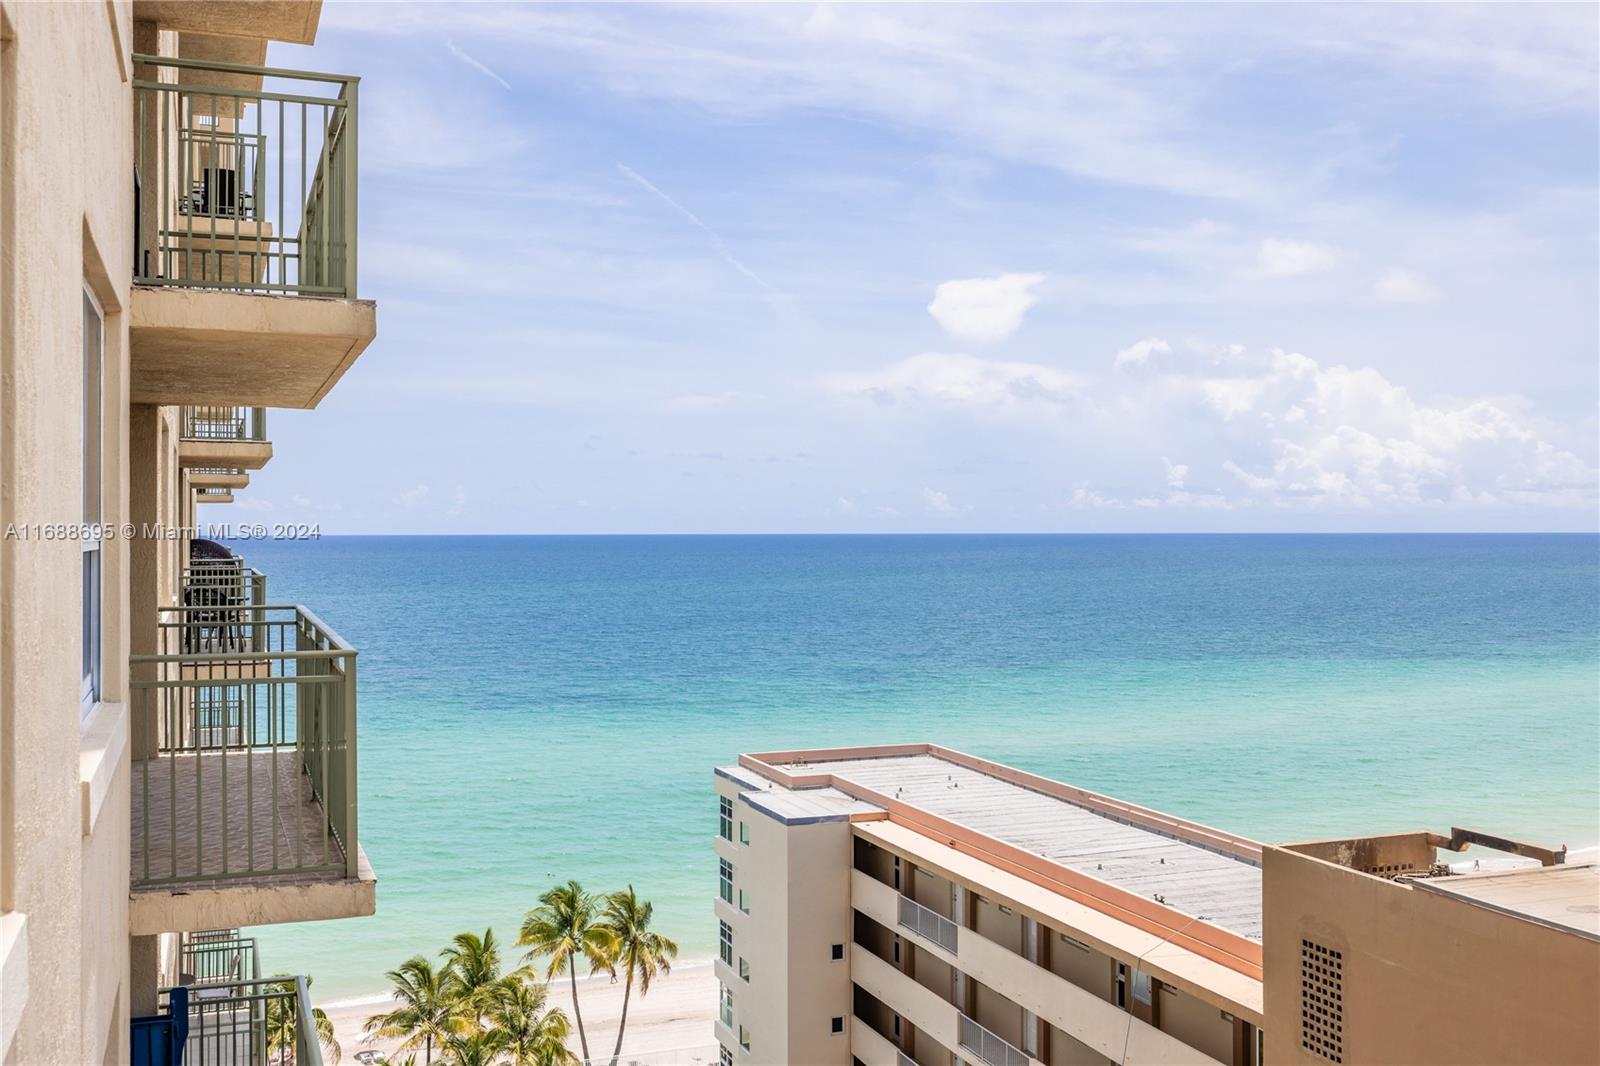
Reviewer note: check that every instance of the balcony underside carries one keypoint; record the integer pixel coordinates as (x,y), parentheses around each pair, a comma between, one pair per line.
(291,21)
(217,481)
(243,454)
(268,818)
(202,346)
(214,497)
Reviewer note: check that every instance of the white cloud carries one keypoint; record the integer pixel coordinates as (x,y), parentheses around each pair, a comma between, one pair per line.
(1397,285)
(458,503)
(984,310)
(1276,430)
(300,501)
(1139,352)
(1336,436)
(844,505)
(412,496)
(1276,259)
(959,382)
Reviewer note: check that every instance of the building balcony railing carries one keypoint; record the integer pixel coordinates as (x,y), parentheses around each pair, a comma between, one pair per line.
(228,601)
(214,958)
(245,178)
(221,423)
(247,1022)
(928,924)
(244,736)
(987,1046)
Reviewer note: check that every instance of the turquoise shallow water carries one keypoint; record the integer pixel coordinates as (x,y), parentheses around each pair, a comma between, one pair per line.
(544,708)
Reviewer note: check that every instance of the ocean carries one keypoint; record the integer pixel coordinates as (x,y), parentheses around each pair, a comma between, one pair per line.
(534,709)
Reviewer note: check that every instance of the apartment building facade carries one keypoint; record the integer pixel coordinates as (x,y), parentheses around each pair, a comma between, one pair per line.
(178,753)
(910,904)
(1379,952)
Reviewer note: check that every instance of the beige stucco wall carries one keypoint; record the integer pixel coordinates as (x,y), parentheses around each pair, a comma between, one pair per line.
(1426,979)
(67,219)
(797,880)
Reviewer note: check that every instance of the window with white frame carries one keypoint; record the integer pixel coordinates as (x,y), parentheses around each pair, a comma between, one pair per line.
(725,940)
(93,484)
(744,969)
(744,1038)
(725,1005)
(725,817)
(725,880)
(744,832)
(744,901)
(724,1056)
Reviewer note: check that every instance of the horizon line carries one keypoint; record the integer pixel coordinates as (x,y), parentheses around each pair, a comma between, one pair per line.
(987,533)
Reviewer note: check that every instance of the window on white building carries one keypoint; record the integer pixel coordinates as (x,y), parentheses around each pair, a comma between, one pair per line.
(93,485)
(725,817)
(725,939)
(725,879)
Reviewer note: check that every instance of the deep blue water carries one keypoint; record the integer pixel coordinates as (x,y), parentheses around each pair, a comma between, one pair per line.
(534,708)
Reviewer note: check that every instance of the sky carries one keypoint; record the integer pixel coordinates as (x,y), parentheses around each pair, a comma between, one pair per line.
(812,268)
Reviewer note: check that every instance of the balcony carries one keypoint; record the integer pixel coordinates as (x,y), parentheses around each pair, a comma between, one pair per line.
(925,1009)
(228,602)
(220,436)
(245,765)
(218,477)
(245,244)
(1105,1028)
(930,925)
(247,1022)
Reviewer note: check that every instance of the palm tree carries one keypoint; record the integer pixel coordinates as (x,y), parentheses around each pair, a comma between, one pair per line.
(639,949)
(426,1014)
(534,1033)
(283,1023)
(473,963)
(565,927)
(473,1049)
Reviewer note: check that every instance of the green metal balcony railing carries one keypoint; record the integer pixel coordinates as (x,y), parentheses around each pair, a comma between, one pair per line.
(244,740)
(245,177)
(214,422)
(228,601)
(214,958)
(248,1022)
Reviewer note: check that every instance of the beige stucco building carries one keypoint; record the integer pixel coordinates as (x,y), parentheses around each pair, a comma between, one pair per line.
(178,753)
(1379,952)
(915,906)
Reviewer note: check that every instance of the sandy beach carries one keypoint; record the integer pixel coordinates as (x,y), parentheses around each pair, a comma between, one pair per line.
(671,1025)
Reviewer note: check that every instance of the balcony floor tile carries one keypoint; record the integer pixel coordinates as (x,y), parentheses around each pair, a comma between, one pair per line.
(263,787)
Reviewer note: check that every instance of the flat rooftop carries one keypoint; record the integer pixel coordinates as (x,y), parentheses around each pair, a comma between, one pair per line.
(1562,897)
(1221,889)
